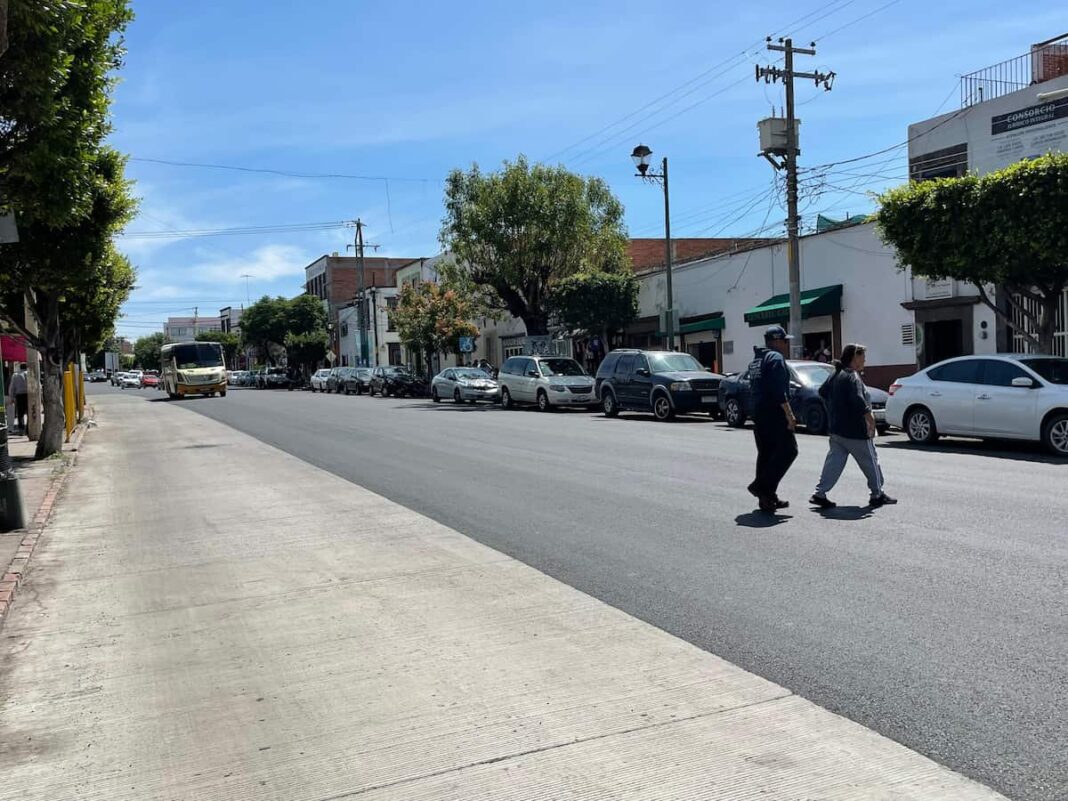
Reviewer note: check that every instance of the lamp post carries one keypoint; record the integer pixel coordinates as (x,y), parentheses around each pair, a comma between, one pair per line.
(642,156)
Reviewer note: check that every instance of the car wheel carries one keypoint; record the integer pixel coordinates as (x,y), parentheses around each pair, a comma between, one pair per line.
(733,414)
(434,395)
(1055,435)
(457,397)
(920,426)
(222,394)
(815,418)
(506,398)
(662,409)
(609,405)
(543,401)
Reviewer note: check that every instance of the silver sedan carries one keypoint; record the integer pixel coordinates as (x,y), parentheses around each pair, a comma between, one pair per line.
(464,384)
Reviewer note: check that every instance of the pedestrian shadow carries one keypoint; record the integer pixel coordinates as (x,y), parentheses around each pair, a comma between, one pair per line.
(845,512)
(991,448)
(758,519)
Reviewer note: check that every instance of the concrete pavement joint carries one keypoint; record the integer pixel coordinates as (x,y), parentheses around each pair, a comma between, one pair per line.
(553,747)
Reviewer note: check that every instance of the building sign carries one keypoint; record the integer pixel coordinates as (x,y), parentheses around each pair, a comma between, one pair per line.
(938,288)
(538,346)
(467,344)
(1026,117)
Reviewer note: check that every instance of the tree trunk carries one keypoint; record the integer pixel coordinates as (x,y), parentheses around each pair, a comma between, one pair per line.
(51,440)
(1046,325)
(537,324)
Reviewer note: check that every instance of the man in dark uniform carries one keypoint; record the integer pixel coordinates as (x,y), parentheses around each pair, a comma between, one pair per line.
(773,419)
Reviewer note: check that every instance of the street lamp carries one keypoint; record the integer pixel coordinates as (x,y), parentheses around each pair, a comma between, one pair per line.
(642,156)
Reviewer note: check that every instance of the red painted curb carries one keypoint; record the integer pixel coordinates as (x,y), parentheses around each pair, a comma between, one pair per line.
(16,570)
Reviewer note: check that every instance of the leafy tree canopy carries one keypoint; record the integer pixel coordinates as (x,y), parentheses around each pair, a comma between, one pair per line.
(517,230)
(147,350)
(431,319)
(1008,228)
(598,302)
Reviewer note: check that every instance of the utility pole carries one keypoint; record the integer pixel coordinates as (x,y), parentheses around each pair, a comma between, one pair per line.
(361,309)
(773,74)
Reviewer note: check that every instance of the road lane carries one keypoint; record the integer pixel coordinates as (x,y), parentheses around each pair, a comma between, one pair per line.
(939,622)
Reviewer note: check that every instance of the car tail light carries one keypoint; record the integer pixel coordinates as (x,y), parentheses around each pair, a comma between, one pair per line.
(894,387)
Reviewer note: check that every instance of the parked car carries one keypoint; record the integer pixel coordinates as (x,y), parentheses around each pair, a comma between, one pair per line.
(1004,396)
(150,379)
(274,378)
(130,381)
(333,383)
(806,378)
(238,378)
(116,377)
(255,377)
(358,381)
(464,384)
(97,376)
(548,381)
(396,380)
(318,379)
(665,383)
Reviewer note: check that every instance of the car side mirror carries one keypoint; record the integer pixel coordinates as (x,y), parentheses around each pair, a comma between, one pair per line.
(1024,381)
(532,373)
(643,372)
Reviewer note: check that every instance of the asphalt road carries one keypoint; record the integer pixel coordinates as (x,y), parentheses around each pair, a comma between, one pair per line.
(940,622)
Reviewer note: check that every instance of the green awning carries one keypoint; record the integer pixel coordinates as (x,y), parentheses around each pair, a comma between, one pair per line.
(814,303)
(715,324)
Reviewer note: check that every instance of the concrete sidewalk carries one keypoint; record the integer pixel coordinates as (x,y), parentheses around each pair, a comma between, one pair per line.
(209,618)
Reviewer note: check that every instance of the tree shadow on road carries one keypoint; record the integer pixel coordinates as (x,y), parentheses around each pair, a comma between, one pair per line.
(758,519)
(997,449)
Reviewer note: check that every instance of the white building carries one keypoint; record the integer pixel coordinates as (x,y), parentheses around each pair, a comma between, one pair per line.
(185,329)
(383,342)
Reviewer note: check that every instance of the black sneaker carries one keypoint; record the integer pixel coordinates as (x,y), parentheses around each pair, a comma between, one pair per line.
(768,504)
(780,504)
(822,501)
(881,500)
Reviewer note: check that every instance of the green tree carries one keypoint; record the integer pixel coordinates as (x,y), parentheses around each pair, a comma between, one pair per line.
(430,319)
(127,360)
(306,350)
(230,344)
(146,351)
(517,231)
(305,315)
(1008,228)
(67,190)
(265,323)
(601,303)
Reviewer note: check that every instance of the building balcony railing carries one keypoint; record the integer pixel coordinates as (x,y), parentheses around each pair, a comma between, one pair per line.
(1047,60)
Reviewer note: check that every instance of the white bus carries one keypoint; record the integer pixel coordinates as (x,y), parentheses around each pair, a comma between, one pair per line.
(193,368)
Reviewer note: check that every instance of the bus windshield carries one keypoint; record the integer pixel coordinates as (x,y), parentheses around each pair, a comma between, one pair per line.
(197,354)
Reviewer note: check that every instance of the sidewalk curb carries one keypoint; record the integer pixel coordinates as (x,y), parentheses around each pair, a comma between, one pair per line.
(16,569)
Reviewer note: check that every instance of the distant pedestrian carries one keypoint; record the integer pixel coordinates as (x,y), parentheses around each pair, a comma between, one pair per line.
(852,429)
(773,419)
(18,390)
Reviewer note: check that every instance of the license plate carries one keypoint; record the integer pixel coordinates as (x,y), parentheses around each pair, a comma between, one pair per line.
(709,399)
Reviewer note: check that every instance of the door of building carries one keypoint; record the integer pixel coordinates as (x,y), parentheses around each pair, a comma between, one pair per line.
(942,339)
(705,353)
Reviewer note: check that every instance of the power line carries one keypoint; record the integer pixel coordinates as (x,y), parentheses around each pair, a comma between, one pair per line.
(238,231)
(284,173)
(858,19)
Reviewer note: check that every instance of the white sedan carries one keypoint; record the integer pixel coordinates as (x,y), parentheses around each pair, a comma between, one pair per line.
(130,381)
(999,396)
(318,380)
(464,384)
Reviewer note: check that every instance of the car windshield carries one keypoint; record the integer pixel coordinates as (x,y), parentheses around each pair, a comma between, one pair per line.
(813,375)
(1053,370)
(550,367)
(197,354)
(673,363)
(471,374)
(396,371)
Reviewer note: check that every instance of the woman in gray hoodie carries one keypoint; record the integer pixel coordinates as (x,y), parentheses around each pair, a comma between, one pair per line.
(852,430)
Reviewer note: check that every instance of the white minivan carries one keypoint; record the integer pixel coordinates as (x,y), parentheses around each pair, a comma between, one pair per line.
(996,396)
(548,381)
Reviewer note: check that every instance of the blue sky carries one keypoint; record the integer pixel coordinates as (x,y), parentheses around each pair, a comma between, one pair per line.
(406,91)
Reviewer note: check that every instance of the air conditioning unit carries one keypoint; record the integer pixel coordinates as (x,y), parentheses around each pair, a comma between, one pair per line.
(773,135)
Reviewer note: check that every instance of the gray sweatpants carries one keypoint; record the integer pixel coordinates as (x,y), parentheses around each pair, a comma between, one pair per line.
(841,448)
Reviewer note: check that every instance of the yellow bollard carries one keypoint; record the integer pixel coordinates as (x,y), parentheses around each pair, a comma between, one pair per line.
(81,394)
(68,399)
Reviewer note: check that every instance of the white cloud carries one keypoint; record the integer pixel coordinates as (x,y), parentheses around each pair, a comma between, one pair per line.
(266,263)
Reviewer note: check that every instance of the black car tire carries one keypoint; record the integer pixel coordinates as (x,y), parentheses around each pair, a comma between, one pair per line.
(815,418)
(434,395)
(920,426)
(1055,434)
(662,408)
(457,397)
(543,401)
(609,405)
(222,394)
(733,413)
(506,399)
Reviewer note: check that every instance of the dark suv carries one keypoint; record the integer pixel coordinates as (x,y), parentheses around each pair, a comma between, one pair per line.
(665,383)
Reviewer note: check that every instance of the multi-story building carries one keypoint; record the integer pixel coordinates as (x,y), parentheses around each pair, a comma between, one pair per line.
(1009,112)
(335,280)
(383,341)
(185,329)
